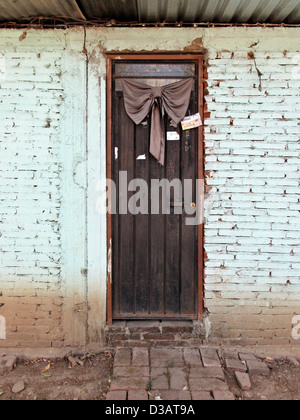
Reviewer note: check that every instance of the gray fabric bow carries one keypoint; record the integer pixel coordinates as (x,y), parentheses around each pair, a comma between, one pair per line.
(173,100)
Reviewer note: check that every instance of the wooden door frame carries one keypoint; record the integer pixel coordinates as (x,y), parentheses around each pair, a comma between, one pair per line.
(155,57)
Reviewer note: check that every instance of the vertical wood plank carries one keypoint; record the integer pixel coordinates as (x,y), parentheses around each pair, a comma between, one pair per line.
(109,175)
(173,231)
(126,221)
(142,242)
(157,246)
(117,103)
(189,148)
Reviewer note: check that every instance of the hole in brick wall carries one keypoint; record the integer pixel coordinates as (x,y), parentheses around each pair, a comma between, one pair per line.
(48,123)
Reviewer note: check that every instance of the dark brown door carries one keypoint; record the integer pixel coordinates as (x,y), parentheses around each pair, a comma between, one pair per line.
(154,256)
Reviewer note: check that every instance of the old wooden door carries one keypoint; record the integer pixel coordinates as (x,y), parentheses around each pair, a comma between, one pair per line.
(155,257)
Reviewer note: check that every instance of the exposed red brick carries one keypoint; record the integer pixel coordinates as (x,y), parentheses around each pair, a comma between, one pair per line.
(162,337)
(201,396)
(223,396)
(137,396)
(116,396)
(243,381)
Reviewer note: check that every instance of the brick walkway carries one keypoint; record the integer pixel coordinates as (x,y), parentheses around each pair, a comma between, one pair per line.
(168,374)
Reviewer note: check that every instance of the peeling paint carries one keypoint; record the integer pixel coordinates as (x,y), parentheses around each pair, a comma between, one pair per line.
(78,173)
(195,46)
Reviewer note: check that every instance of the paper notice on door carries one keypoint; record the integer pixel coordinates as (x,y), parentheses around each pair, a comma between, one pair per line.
(193,121)
(173,136)
(142,157)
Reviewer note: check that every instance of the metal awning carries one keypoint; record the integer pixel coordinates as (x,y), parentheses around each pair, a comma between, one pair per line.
(151,11)
(14,10)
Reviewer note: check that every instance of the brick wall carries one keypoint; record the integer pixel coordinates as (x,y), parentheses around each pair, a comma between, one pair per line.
(30,102)
(52,240)
(252,166)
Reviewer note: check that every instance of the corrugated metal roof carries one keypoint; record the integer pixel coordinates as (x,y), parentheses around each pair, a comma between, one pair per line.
(220,11)
(150,11)
(121,10)
(17,9)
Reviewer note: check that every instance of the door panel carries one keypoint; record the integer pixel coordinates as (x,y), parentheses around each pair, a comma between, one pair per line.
(154,263)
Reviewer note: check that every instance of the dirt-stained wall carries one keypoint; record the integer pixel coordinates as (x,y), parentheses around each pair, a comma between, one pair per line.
(53,163)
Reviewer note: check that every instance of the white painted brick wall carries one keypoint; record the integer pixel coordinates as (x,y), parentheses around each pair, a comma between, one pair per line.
(31,97)
(252,137)
(52,240)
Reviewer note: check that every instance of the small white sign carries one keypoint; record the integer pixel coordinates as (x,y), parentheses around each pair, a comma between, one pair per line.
(193,121)
(142,157)
(173,136)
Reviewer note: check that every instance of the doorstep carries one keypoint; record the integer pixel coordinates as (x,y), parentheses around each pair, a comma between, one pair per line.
(155,334)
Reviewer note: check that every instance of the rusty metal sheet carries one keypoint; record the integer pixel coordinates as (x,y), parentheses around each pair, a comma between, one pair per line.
(17,9)
(150,11)
(220,11)
(120,10)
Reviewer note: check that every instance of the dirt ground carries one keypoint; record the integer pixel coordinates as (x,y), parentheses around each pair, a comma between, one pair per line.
(62,380)
(66,380)
(283,384)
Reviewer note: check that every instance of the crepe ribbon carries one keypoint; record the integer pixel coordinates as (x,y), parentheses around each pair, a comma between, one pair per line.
(173,100)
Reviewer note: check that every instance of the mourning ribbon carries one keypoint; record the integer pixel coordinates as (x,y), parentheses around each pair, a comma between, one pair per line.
(173,100)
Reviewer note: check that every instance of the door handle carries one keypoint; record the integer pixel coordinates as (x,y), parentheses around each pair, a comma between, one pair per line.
(193,205)
(177,204)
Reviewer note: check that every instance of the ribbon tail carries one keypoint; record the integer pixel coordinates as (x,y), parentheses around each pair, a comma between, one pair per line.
(158,138)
